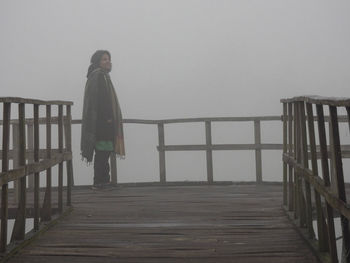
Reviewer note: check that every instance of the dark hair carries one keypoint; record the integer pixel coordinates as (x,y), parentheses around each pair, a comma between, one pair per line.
(96,59)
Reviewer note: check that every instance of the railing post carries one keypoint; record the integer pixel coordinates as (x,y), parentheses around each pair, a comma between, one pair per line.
(305,164)
(60,165)
(209,152)
(114,173)
(290,152)
(36,175)
(5,168)
(46,212)
(68,133)
(20,222)
(325,175)
(162,169)
(30,140)
(338,168)
(295,143)
(285,193)
(301,200)
(321,225)
(333,177)
(15,148)
(258,161)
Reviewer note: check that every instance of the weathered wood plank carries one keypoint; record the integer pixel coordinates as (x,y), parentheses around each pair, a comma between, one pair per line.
(18,231)
(217,147)
(46,212)
(33,101)
(326,180)
(258,161)
(331,101)
(290,151)
(209,153)
(60,165)
(321,224)
(5,168)
(69,164)
(30,147)
(285,146)
(15,174)
(37,174)
(338,165)
(212,224)
(305,163)
(162,167)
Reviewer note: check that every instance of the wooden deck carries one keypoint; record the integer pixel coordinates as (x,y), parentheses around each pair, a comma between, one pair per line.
(218,223)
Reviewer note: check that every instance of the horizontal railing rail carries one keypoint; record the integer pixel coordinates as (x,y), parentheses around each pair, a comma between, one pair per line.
(208,146)
(302,184)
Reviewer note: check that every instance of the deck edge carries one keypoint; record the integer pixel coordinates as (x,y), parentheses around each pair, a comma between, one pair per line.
(311,243)
(31,236)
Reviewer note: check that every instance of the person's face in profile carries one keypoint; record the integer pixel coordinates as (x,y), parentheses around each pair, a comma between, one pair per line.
(105,63)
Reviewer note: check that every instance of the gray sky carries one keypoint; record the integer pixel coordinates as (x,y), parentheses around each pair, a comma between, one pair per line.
(177,58)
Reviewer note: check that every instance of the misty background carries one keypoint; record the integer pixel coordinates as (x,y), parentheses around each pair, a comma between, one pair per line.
(180,59)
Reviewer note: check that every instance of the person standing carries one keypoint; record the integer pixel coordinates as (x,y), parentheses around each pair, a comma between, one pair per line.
(102,127)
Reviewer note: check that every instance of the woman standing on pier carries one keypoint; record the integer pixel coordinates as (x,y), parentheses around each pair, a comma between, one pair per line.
(102,128)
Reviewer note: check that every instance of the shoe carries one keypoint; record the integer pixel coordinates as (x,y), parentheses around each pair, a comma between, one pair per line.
(97,187)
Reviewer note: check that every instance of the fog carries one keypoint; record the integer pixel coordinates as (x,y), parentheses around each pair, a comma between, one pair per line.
(179,59)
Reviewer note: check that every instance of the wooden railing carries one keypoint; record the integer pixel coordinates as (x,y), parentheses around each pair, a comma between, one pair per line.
(29,159)
(300,180)
(208,147)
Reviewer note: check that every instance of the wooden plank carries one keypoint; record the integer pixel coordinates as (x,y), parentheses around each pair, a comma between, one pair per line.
(321,224)
(162,169)
(187,120)
(220,147)
(342,207)
(37,174)
(33,101)
(54,120)
(18,231)
(5,168)
(15,146)
(295,191)
(18,173)
(215,224)
(258,161)
(30,140)
(209,153)
(305,163)
(330,101)
(69,164)
(325,175)
(46,212)
(301,197)
(290,152)
(60,165)
(30,153)
(338,165)
(285,135)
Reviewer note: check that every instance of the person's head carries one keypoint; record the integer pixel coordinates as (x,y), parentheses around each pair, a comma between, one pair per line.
(100,59)
(105,62)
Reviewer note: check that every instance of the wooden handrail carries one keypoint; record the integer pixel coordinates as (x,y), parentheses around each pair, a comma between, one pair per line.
(34,101)
(329,101)
(300,181)
(39,160)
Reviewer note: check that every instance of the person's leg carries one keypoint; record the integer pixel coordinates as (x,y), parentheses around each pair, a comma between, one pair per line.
(101,167)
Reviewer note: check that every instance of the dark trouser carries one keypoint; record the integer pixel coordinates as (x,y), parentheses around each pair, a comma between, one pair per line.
(101,167)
